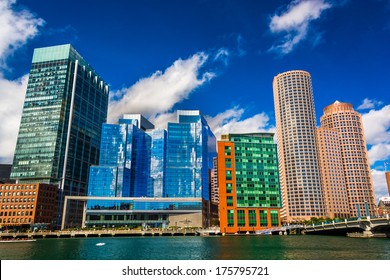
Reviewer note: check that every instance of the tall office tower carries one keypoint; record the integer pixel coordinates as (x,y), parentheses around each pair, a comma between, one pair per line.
(332,173)
(302,196)
(190,150)
(343,118)
(124,165)
(388,181)
(248,182)
(59,135)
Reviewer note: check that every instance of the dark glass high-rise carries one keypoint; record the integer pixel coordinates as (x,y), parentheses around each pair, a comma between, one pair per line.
(60,130)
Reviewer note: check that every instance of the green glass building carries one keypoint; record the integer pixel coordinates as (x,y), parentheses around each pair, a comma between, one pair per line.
(248,179)
(59,136)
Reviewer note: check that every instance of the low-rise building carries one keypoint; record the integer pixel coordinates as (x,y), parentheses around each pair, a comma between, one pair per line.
(23,205)
(384,206)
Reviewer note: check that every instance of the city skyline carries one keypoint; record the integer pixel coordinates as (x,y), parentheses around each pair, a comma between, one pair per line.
(225,52)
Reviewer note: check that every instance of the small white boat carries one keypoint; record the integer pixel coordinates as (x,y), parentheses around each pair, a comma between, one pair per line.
(100,244)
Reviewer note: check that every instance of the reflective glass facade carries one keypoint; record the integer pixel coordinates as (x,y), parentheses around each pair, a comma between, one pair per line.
(190,150)
(124,165)
(257,176)
(157,162)
(158,212)
(59,135)
(143,205)
(162,164)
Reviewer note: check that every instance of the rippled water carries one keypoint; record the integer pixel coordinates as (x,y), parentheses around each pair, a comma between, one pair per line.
(201,248)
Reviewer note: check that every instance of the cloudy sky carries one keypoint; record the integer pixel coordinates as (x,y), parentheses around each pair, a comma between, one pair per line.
(217,56)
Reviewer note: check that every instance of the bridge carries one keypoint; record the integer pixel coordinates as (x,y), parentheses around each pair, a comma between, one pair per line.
(283,230)
(360,227)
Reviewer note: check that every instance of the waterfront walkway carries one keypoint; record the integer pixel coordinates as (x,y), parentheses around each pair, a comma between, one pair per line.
(94,233)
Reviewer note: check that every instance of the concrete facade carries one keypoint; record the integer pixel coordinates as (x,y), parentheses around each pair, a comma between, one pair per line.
(332,173)
(302,195)
(355,163)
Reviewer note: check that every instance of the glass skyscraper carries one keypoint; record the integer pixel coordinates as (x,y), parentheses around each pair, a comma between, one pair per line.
(167,167)
(59,135)
(155,163)
(124,165)
(191,147)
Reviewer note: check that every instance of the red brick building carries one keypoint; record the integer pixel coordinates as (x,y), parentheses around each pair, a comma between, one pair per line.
(27,204)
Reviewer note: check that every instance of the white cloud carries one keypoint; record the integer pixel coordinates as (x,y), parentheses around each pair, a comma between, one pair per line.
(222,55)
(161,120)
(231,121)
(369,104)
(377,126)
(294,21)
(379,152)
(17,27)
(158,93)
(12,94)
(380,185)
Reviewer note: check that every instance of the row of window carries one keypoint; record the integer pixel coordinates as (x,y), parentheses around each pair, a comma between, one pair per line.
(18,187)
(255,218)
(15,220)
(20,206)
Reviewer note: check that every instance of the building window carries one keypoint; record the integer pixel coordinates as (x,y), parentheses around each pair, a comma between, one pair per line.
(229,188)
(228,175)
(263,218)
(274,218)
(252,218)
(228,151)
(230,218)
(228,162)
(229,201)
(241,218)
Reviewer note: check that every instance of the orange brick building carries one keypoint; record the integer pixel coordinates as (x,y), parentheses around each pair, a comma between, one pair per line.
(22,205)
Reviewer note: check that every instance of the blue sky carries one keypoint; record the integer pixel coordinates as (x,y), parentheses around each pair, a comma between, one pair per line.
(216,56)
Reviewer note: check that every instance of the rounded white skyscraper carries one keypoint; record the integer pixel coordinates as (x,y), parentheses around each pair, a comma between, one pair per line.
(302,195)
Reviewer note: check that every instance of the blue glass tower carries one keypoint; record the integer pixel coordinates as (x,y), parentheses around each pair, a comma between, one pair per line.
(190,150)
(164,174)
(124,165)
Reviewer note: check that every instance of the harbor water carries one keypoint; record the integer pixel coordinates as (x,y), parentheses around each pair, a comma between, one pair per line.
(251,247)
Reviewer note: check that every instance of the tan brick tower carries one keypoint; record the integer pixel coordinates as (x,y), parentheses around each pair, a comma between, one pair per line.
(343,118)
